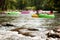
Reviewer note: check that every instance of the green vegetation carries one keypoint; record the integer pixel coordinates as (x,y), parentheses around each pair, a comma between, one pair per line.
(29,4)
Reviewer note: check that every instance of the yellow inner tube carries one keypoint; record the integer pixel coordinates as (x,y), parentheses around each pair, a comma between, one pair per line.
(34,15)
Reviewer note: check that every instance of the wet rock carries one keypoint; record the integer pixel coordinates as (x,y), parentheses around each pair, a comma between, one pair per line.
(22,28)
(56,30)
(52,39)
(32,29)
(53,34)
(7,25)
(17,29)
(28,34)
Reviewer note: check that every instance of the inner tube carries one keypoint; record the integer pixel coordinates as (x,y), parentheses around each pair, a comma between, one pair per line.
(46,16)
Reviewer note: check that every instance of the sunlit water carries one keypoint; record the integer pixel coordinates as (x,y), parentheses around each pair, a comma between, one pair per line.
(41,23)
(35,22)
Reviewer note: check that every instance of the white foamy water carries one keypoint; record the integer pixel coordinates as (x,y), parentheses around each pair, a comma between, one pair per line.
(39,23)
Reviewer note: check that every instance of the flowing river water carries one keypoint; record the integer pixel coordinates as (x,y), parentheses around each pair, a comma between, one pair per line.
(42,24)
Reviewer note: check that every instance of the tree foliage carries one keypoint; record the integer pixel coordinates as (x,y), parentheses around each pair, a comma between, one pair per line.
(22,4)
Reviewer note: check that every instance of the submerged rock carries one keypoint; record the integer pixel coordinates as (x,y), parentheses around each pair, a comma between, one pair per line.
(32,29)
(26,31)
(53,34)
(28,34)
(22,28)
(17,29)
(7,25)
(56,30)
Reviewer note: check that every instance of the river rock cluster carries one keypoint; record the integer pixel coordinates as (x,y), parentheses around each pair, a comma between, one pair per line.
(28,29)
(28,33)
(54,33)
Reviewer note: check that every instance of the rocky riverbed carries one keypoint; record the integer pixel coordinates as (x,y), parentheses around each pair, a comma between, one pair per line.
(28,33)
(30,29)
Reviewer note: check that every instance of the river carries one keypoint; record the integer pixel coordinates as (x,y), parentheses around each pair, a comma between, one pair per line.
(42,24)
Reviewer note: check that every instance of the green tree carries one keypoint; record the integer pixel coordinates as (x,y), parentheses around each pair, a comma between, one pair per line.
(2,4)
(21,4)
(57,5)
(38,4)
(7,4)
